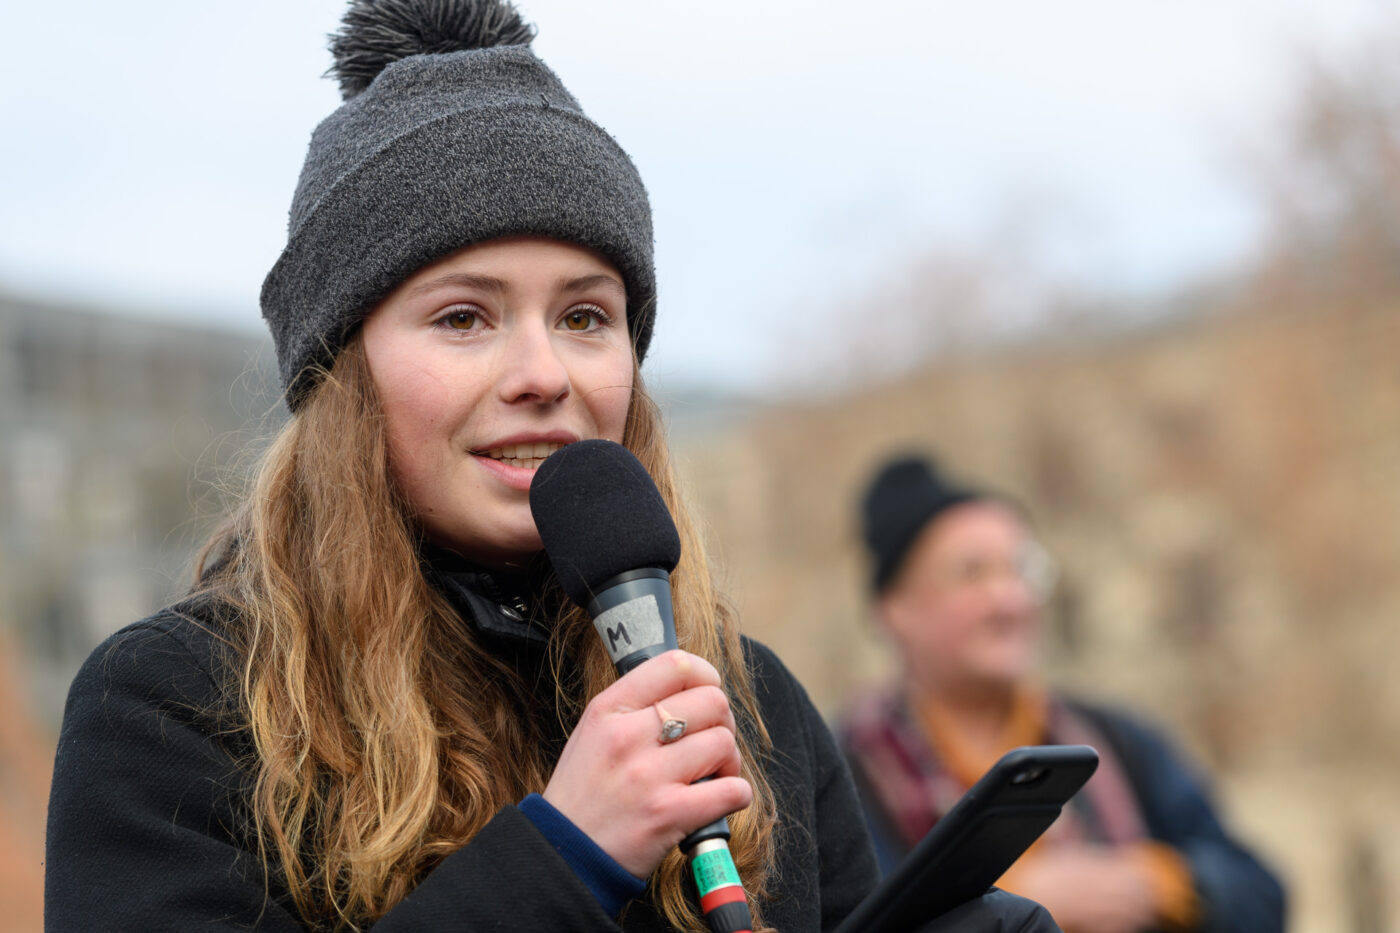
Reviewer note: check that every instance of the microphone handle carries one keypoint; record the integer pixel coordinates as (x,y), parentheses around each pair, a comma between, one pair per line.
(722,898)
(638,603)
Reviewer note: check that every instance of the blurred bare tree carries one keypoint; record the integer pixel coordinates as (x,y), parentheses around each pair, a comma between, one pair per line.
(1333,180)
(1215,469)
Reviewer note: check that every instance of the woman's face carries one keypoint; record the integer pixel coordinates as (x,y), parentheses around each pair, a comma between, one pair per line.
(487,361)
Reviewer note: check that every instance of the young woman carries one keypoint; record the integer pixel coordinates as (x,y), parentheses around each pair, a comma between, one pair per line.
(376,708)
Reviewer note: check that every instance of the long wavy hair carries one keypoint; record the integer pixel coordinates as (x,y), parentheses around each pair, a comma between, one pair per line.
(384,735)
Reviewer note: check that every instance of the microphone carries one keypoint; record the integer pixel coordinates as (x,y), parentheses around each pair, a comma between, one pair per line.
(613,544)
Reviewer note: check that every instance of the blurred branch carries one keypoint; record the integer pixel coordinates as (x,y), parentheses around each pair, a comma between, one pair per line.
(1333,183)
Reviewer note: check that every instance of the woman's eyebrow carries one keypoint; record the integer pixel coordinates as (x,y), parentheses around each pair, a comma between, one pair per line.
(585,282)
(493,284)
(471,280)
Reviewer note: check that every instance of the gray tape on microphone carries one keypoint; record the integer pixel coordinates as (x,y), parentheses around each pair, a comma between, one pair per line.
(631,627)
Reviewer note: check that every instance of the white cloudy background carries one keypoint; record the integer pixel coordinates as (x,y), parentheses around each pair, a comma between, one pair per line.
(797,153)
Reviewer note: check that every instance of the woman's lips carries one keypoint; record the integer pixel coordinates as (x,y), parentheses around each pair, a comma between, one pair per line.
(529,455)
(515,464)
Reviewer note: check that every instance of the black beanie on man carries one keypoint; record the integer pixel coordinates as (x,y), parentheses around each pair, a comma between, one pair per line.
(905,495)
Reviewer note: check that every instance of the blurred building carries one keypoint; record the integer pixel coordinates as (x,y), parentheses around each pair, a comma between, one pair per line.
(1220,492)
(1217,480)
(105,422)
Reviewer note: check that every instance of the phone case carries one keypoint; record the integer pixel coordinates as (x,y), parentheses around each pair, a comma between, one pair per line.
(978,839)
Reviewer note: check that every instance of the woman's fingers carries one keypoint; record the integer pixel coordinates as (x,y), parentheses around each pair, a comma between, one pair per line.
(695,721)
(696,709)
(713,799)
(633,787)
(713,752)
(658,678)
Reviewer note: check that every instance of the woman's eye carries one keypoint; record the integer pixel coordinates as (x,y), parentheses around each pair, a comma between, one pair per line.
(461,320)
(586,318)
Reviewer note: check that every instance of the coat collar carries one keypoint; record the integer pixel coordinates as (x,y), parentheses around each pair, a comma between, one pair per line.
(500,604)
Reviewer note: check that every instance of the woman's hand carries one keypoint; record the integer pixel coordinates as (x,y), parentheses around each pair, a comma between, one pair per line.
(633,796)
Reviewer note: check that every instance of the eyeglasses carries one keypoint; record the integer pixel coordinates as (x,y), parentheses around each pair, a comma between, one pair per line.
(1032,566)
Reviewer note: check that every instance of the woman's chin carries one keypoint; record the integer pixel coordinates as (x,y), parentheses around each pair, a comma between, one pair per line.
(504,548)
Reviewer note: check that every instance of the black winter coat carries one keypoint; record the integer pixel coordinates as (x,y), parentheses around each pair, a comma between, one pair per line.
(148,809)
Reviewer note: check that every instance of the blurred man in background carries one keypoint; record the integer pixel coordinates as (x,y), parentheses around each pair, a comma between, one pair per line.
(959,583)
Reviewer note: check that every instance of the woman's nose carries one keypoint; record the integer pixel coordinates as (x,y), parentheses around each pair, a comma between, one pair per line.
(533,370)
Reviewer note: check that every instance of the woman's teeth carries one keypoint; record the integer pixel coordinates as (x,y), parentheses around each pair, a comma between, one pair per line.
(526,456)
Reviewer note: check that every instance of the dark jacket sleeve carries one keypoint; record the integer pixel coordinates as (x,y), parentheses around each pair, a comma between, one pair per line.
(147,831)
(816,805)
(1238,893)
(997,911)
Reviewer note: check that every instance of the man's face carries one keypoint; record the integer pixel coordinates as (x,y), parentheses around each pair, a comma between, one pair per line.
(964,609)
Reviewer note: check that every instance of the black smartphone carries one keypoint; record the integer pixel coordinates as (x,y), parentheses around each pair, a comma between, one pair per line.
(978,839)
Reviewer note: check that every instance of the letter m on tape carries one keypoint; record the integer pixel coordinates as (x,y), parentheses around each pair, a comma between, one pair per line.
(616,634)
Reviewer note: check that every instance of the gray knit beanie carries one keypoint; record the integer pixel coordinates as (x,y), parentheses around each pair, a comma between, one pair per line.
(452,133)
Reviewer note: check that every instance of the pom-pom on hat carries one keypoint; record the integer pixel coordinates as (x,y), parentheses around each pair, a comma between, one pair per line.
(452,133)
(906,494)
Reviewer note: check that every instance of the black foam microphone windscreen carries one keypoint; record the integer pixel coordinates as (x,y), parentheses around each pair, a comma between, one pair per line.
(599,515)
(613,544)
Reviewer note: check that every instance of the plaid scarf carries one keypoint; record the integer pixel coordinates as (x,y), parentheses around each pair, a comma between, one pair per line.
(900,765)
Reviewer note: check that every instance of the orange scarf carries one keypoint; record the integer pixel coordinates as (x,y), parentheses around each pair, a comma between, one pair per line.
(1028,723)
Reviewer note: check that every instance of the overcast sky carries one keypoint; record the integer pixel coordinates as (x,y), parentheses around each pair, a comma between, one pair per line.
(797,153)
